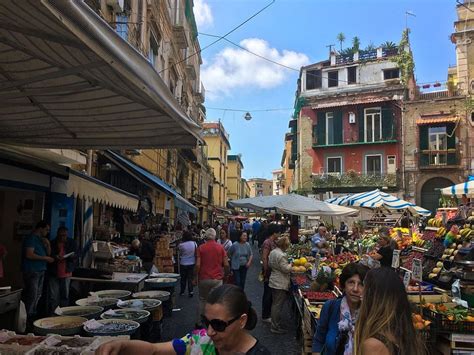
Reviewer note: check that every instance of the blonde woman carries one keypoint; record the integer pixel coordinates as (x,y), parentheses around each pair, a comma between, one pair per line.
(279,281)
(384,326)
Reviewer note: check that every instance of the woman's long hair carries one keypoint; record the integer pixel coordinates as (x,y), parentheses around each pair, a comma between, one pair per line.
(385,311)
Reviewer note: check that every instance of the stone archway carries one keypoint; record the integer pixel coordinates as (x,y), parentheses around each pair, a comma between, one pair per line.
(430,192)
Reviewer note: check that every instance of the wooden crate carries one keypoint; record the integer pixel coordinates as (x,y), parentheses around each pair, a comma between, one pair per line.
(462,342)
(307,344)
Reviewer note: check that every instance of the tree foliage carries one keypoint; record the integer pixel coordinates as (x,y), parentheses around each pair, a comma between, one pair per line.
(341,38)
(404,58)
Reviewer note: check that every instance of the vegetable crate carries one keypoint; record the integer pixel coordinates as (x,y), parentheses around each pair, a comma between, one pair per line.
(307,344)
(445,325)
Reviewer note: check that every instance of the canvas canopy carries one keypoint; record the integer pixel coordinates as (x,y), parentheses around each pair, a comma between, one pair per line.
(378,199)
(293,204)
(465,188)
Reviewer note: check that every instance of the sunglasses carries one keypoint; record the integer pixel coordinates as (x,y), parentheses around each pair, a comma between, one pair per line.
(217,324)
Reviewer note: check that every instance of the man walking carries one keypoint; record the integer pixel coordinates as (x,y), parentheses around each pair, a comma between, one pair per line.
(35,257)
(267,247)
(211,264)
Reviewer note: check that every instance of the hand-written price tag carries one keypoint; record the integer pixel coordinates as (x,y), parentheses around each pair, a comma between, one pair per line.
(406,278)
(417,270)
(396,259)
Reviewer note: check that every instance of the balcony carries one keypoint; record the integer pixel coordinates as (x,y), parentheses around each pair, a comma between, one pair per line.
(179,29)
(353,179)
(200,92)
(439,159)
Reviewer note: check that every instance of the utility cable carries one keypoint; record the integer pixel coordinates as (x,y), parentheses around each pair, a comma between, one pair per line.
(220,38)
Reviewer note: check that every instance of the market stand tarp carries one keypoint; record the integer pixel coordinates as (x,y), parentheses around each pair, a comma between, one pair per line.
(466,188)
(378,199)
(293,204)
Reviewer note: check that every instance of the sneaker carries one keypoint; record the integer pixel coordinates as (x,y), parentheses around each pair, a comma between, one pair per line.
(191,294)
(267,320)
(277,331)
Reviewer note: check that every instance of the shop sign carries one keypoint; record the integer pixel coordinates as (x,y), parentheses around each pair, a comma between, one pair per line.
(406,279)
(396,259)
(417,270)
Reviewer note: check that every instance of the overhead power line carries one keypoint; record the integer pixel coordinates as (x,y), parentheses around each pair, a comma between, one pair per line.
(242,110)
(220,38)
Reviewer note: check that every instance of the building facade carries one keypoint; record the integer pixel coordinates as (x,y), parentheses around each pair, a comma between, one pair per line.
(260,187)
(217,142)
(278,182)
(245,188)
(438,124)
(234,177)
(346,130)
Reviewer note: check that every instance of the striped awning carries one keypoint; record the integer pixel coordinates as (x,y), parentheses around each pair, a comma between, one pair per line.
(465,188)
(436,120)
(90,189)
(377,199)
(68,80)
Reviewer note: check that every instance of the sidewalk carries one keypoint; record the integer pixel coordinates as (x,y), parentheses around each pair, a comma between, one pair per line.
(183,321)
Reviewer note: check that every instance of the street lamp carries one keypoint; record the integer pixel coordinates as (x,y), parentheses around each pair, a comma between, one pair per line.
(248,116)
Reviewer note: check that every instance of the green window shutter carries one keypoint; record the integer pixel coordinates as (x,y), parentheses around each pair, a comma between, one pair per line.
(451,144)
(451,141)
(388,131)
(337,127)
(321,129)
(424,158)
(361,123)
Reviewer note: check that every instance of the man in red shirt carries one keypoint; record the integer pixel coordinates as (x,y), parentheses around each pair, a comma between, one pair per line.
(211,264)
(267,247)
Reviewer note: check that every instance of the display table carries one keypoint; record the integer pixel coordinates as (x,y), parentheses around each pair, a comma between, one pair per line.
(120,280)
(9,307)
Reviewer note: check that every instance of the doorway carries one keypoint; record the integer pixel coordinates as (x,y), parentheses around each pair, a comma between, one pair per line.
(430,192)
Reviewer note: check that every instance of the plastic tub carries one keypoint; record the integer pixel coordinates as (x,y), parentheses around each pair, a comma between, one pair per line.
(148,304)
(137,315)
(168,275)
(88,312)
(120,294)
(161,282)
(106,303)
(62,325)
(113,327)
(163,296)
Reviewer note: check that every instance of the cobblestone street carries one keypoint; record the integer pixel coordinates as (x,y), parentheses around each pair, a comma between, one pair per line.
(182,321)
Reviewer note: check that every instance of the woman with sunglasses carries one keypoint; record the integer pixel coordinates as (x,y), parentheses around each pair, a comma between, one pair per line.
(228,316)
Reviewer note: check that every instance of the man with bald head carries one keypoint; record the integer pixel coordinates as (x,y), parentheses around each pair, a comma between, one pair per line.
(319,242)
(211,265)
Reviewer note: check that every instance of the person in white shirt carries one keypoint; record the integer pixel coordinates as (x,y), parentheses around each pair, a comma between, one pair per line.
(187,249)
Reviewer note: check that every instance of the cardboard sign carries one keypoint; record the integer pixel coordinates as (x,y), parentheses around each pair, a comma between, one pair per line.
(417,270)
(396,259)
(406,278)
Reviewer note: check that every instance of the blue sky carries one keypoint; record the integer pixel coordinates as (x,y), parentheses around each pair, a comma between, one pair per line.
(296,33)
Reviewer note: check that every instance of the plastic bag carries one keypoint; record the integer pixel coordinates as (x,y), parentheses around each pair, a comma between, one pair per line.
(21,321)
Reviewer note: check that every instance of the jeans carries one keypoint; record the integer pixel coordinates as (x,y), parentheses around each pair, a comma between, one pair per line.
(58,289)
(279,298)
(266,300)
(205,287)
(240,276)
(187,274)
(33,288)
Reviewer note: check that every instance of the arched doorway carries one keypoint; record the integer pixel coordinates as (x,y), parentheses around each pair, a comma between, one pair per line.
(430,192)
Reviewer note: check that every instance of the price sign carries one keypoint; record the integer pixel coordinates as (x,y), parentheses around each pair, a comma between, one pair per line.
(396,259)
(417,270)
(406,279)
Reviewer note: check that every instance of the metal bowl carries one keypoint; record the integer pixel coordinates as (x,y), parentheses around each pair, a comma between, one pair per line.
(101,302)
(168,275)
(62,325)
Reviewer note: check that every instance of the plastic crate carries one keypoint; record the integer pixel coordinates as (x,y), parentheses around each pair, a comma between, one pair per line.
(444,325)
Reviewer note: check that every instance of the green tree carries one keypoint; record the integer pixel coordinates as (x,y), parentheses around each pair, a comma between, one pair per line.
(355,44)
(389,45)
(341,38)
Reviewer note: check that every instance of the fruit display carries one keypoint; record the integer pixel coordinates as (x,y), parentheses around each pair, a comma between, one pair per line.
(435,222)
(300,280)
(436,250)
(407,261)
(324,279)
(315,310)
(418,322)
(369,241)
(436,270)
(298,250)
(450,317)
(341,260)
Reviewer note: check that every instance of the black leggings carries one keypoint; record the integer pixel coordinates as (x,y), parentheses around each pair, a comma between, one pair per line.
(187,275)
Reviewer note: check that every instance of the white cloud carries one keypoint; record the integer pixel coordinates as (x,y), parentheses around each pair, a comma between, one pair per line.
(234,68)
(203,14)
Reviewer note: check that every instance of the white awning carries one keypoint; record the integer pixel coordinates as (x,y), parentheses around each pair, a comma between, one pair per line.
(90,189)
(68,80)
